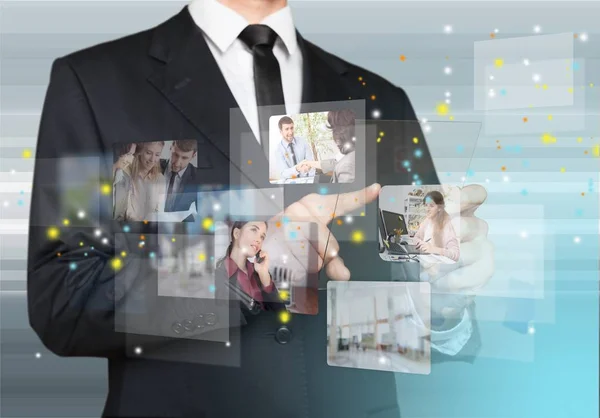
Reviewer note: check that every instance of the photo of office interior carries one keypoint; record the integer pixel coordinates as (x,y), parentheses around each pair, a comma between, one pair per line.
(377,326)
(419,223)
(317,147)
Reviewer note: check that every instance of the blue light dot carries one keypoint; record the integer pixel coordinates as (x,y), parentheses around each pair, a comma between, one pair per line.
(525,163)
(285,220)
(85,254)
(575,66)
(293,235)
(22,192)
(418,153)
(211,288)
(323,190)
(72,266)
(92,247)
(392,199)
(524,192)
(406,163)
(418,183)
(448,174)
(460,148)
(470,173)
(415,176)
(20,202)
(579,212)
(517,148)
(503,92)
(126,228)
(152,254)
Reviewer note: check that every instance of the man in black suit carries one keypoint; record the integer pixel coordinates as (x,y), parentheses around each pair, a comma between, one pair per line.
(180,176)
(179,81)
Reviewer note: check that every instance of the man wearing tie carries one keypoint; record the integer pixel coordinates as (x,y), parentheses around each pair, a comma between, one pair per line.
(291,151)
(180,176)
(181,79)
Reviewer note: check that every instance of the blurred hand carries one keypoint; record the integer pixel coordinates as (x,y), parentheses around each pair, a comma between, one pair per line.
(318,209)
(425,246)
(475,266)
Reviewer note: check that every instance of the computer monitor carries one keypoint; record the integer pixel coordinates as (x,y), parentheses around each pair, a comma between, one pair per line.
(393,221)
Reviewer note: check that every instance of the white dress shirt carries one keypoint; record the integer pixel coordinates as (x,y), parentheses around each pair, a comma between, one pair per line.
(221,27)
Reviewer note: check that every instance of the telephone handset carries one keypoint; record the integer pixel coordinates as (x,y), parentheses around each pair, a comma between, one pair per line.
(258,258)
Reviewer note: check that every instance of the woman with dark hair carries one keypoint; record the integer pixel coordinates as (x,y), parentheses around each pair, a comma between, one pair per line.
(342,126)
(436,234)
(252,277)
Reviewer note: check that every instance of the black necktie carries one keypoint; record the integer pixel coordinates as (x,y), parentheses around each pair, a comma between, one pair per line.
(293,154)
(169,207)
(267,75)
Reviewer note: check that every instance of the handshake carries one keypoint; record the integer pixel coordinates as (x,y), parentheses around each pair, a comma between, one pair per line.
(305,166)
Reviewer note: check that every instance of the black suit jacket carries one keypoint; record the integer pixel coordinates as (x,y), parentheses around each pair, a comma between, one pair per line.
(187,193)
(163,84)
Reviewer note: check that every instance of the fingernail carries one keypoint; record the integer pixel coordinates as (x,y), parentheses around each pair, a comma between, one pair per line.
(375,187)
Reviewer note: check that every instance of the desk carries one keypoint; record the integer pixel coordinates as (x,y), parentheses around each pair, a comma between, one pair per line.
(299,180)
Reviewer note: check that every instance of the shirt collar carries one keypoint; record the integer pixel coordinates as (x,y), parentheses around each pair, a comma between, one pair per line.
(180,173)
(233,268)
(223,25)
(286,144)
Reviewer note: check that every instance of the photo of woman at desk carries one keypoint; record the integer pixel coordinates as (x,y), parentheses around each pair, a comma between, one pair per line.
(436,235)
(245,268)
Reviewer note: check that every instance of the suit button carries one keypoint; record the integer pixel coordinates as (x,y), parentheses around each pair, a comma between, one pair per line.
(177,328)
(188,325)
(283,335)
(210,318)
(198,321)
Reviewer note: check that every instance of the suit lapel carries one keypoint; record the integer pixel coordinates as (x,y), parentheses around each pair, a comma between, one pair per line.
(191,79)
(323,76)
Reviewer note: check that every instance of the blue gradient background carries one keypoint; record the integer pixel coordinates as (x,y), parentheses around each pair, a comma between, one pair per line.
(552,373)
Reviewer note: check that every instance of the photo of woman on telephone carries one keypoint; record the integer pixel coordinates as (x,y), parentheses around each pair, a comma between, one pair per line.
(246,266)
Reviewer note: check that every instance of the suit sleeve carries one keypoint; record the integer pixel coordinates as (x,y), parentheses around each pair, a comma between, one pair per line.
(73,281)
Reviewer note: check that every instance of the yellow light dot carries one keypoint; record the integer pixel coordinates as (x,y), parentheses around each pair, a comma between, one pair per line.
(142,237)
(591,84)
(548,139)
(451,118)
(285,317)
(381,133)
(549,117)
(123,254)
(364,84)
(105,189)
(81,243)
(249,162)
(545,86)
(66,222)
(579,139)
(596,151)
(116,263)
(173,239)
(499,62)
(359,78)
(357,237)
(58,254)
(284,294)
(373,97)
(570,89)
(26,153)
(53,232)
(378,140)
(207,223)
(415,140)
(442,109)
(362,214)
(562,169)
(202,257)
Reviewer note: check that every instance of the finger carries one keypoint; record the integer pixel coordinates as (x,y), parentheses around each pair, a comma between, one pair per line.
(471,197)
(337,270)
